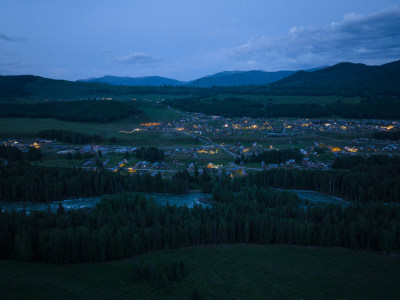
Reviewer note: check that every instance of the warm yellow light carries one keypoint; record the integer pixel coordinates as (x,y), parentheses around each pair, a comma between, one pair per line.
(136,129)
(150,124)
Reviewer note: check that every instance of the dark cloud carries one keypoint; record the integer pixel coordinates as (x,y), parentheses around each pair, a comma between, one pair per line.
(137,58)
(370,39)
(7,38)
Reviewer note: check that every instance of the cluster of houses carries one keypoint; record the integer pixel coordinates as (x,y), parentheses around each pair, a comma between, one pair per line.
(200,125)
(216,125)
(23,145)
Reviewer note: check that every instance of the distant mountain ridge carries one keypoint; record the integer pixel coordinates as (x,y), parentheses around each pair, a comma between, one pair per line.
(225,78)
(239,78)
(346,76)
(135,81)
(343,79)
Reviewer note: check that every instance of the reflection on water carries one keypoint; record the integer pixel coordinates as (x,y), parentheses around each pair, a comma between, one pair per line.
(182,199)
(320,198)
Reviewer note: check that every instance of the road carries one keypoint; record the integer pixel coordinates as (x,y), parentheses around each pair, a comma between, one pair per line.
(179,112)
(205,140)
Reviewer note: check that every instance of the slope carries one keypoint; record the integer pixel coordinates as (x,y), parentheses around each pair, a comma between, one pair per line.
(345,77)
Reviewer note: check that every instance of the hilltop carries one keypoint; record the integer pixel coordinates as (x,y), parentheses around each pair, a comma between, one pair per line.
(135,81)
(36,87)
(221,79)
(345,77)
(239,78)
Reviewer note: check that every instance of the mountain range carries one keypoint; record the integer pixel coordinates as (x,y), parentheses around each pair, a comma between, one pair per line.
(346,76)
(345,79)
(227,78)
(135,81)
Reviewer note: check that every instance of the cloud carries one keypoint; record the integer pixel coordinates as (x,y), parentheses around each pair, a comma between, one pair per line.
(370,39)
(7,38)
(13,67)
(137,58)
(10,64)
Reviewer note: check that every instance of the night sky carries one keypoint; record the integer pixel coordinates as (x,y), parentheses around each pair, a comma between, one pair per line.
(188,39)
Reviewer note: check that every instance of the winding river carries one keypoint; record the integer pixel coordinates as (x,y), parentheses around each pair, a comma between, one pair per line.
(173,199)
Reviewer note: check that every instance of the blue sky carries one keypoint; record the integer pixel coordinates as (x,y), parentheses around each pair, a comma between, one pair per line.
(189,39)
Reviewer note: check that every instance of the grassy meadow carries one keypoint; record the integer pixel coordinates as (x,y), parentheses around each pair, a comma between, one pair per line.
(29,127)
(217,272)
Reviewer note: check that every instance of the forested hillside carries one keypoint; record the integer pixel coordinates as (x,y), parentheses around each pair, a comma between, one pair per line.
(386,108)
(78,111)
(346,78)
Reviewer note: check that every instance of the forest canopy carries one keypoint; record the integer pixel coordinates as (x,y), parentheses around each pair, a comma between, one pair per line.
(77,111)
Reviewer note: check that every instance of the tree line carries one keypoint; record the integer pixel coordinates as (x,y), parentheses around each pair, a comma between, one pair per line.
(242,107)
(23,182)
(12,153)
(359,185)
(387,135)
(355,178)
(74,111)
(150,153)
(70,136)
(129,224)
(273,156)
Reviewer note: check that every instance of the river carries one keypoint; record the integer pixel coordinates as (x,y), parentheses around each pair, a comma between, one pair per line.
(173,199)
(316,197)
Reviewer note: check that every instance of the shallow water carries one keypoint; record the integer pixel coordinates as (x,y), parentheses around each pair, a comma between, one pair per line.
(320,198)
(173,199)
(182,199)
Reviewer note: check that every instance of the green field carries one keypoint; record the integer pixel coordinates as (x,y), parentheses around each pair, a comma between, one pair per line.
(28,128)
(217,272)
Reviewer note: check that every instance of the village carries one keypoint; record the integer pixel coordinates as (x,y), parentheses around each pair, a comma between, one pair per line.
(201,124)
(223,144)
